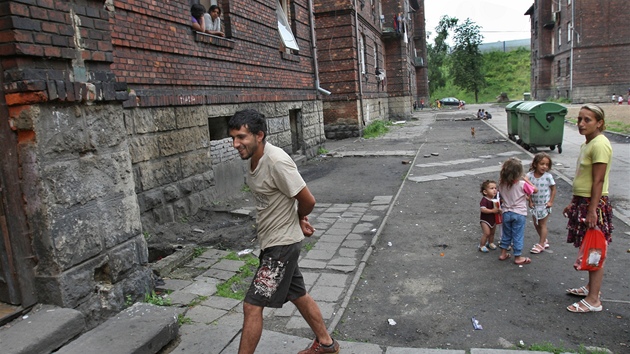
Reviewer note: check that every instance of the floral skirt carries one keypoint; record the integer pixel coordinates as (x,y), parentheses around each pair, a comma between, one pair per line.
(577,212)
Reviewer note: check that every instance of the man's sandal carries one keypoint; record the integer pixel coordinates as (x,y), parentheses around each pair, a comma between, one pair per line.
(584,307)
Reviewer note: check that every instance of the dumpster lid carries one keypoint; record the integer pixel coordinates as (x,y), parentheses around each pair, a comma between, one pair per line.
(513,104)
(549,107)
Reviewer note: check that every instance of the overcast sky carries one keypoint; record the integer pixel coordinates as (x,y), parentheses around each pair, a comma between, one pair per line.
(500,20)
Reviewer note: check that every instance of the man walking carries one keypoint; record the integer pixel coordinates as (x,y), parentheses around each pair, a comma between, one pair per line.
(283,202)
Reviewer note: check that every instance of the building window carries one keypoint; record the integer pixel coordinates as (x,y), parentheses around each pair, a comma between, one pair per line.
(569,32)
(375,56)
(284,28)
(568,2)
(218,127)
(568,66)
(225,18)
(559,69)
(362,53)
(373,10)
(559,36)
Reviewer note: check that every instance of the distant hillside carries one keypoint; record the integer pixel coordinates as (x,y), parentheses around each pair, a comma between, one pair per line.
(505,46)
(507,72)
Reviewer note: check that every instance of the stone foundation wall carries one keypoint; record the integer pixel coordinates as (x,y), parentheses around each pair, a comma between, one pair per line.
(96,176)
(180,168)
(341,119)
(81,206)
(375,109)
(347,126)
(400,108)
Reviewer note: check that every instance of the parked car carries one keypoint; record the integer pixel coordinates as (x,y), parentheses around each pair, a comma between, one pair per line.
(451,101)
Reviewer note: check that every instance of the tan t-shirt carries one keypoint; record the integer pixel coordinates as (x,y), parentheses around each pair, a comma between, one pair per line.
(275,182)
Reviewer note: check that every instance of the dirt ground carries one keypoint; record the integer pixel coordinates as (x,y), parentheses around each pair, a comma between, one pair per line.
(213,227)
(614,112)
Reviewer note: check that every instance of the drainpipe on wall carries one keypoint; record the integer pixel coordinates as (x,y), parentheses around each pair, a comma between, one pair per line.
(572,43)
(311,18)
(356,21)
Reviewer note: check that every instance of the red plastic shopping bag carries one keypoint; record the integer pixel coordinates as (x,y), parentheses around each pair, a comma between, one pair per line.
(592,252)
(498,217)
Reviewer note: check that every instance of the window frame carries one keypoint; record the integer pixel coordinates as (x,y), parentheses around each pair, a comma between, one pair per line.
(362,53)
(287,38)
(559,74)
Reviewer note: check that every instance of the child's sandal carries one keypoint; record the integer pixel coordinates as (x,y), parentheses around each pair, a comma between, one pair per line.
(537,249)
(491,246)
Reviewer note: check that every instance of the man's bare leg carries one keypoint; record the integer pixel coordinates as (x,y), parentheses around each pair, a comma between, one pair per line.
(313,316)
(252,328)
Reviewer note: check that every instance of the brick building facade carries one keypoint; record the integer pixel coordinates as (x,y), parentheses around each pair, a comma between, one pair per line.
(579,49)
(368,62)
(114,119)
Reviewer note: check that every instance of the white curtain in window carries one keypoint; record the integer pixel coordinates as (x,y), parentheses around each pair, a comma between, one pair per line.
(285,29)
(362,55)
(405,39)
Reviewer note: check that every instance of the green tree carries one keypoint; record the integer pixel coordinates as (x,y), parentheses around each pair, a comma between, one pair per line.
(437,54)
(466,60)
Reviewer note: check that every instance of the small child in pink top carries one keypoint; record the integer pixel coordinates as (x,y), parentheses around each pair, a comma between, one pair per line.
(515,189)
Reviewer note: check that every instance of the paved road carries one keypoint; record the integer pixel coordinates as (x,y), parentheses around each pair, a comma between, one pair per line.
(426,274)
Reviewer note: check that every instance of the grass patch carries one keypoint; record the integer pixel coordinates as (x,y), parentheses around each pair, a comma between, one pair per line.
(308,246)
(507,72)
(232,256)
(155,299)
(198,251)
(552,348)
(613,126)
(197,301)
(182,320)
(245,188)
(376,129)
(321,151)
(618,127)
(236,286)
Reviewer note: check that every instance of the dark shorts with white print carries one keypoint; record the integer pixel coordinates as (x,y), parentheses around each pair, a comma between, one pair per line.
(278,278)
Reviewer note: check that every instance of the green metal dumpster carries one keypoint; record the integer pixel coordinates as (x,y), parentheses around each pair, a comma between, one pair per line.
(541,124)
(512,119)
